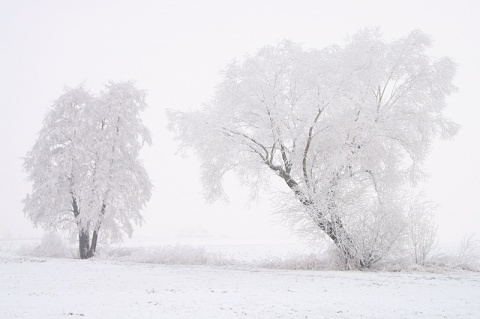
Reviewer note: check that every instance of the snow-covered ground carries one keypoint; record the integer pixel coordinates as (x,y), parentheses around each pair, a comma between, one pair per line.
(62,288)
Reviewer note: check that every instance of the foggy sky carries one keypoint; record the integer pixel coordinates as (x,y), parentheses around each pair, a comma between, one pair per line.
(176,50)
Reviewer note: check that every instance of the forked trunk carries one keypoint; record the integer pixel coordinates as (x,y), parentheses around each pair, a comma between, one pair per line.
(86,249)
(83,233)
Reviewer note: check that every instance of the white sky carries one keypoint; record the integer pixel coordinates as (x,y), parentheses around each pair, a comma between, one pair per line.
(175,50)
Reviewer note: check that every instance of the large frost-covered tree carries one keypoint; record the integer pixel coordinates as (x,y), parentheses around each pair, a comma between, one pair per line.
(85,166)
(346,128)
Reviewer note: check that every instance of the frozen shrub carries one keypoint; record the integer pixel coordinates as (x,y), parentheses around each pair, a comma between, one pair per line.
(329,259)
(296,262)
(469,253)
(52,245)
(421,230)
(170,255)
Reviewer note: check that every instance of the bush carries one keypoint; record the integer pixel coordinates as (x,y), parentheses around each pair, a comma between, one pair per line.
(468,257)
(52,245)
(169,255)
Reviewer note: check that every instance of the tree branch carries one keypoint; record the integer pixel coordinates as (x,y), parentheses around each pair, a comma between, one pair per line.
(307,147)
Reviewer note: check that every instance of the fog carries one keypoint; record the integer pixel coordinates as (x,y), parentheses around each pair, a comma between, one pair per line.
(176,51)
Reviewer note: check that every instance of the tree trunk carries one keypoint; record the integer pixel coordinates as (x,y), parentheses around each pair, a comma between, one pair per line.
(86,250)
(333,227)
(93,246)
(83,233)
(344,242)
(335,230)
(84,243)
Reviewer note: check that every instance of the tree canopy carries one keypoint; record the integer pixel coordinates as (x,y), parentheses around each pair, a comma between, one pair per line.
(346,128)
(85,166)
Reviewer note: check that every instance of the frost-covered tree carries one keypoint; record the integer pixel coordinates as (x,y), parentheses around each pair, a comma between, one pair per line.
(421,230)
(345,128)
(85,166)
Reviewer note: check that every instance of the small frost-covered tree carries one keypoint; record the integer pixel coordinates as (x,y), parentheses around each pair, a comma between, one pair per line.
(421,230)
(84,166)
(469,253)
(345,128)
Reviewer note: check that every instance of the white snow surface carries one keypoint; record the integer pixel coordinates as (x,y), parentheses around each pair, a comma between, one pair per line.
(71,288)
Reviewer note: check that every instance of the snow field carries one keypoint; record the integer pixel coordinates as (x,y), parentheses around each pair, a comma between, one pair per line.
(67,288)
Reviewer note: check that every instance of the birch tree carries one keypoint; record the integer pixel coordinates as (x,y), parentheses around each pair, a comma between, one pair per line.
(345,128)
(85,166)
